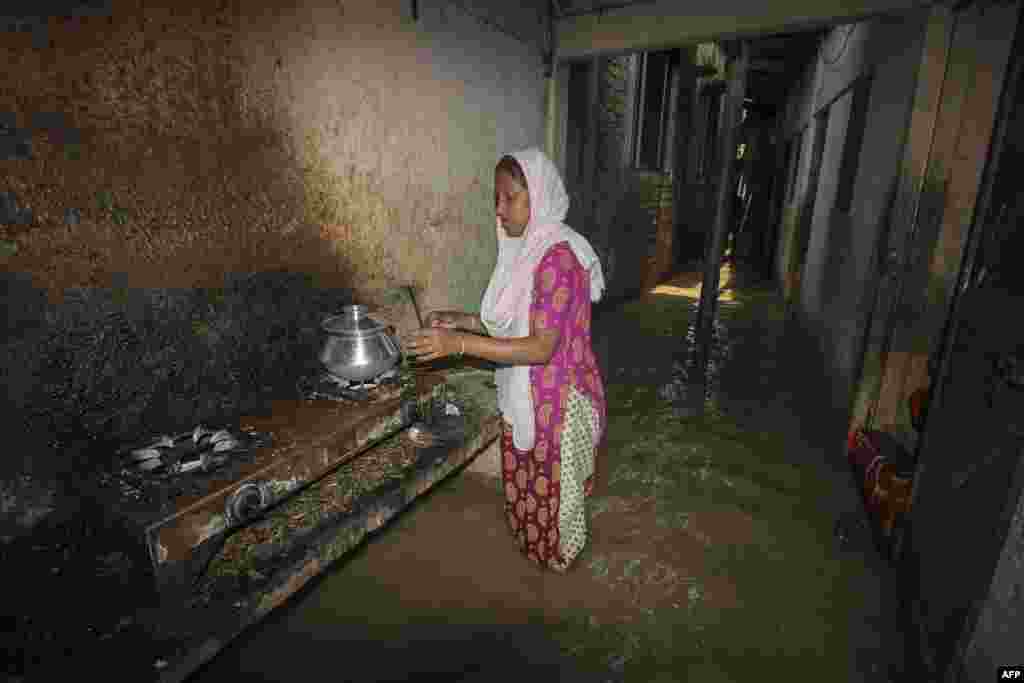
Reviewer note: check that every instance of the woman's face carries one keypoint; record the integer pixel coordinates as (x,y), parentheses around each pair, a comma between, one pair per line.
(511,203)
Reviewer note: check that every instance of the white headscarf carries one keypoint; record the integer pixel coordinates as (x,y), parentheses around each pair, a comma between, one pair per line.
(505,310)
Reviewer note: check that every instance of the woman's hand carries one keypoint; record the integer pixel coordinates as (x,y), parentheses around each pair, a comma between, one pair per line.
(447,319)
(452,320)
(432,343)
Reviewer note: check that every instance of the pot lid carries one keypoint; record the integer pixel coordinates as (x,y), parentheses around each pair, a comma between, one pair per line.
(352,321)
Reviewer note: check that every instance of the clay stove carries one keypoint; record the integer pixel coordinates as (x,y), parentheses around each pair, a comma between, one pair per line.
(181,515)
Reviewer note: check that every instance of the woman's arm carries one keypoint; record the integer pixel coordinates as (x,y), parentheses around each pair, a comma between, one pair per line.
(552,301)
(536,349)
(432,343)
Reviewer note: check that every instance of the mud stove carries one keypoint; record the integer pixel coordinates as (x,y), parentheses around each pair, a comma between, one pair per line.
(178,498)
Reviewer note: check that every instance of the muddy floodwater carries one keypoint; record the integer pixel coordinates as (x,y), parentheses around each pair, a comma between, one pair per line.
(712,555)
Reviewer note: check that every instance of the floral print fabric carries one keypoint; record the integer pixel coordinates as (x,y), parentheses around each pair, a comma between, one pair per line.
(544,487)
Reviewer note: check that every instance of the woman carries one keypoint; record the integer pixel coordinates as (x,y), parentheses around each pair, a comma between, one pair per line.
(536,311)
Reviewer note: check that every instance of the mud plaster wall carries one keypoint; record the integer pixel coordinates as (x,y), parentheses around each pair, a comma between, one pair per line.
(178,148)
(328,136)
(839,266)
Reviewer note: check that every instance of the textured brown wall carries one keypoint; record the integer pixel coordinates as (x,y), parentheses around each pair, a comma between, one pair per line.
(321,137)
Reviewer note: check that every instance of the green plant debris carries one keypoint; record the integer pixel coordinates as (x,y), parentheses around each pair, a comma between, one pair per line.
(120,295)
(599,566)
(598,506)
(631,568)
(106,203)
(201,328)
(216,298)
(8,248)
(674,519)
(104,200)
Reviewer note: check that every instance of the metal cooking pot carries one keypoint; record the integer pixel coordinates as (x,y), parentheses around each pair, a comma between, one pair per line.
(358,348)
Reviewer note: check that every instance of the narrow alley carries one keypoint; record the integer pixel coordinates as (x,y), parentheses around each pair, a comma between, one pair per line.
(713,555)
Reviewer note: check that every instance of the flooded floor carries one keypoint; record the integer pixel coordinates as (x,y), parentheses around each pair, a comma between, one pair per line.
(712,556)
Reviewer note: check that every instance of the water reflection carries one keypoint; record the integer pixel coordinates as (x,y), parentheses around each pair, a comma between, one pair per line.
(686,376)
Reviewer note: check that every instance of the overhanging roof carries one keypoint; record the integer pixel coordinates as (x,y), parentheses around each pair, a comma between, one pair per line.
(590,27)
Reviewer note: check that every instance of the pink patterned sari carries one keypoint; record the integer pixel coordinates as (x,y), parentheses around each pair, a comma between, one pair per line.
(545,487)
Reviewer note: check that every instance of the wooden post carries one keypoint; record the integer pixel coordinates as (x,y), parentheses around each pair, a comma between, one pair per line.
(699,133)
(694,206)
(720,228)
